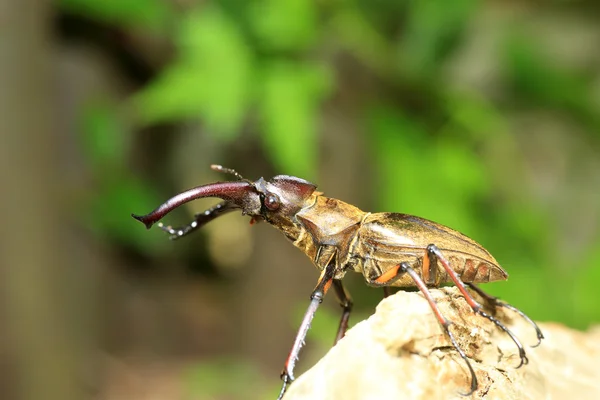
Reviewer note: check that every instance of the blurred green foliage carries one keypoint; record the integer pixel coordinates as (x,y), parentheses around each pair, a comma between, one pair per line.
(213,379)
(451,157)
(263,59)
(106,143)
(545,84)
(147,14)
(211,77)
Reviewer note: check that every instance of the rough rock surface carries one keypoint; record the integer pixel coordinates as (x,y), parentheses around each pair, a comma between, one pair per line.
(401,352)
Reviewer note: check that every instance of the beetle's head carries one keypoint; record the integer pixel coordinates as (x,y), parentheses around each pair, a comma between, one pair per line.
(276,201)
(281,198)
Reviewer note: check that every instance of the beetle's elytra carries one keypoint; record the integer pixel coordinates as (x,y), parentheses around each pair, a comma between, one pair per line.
(389,249)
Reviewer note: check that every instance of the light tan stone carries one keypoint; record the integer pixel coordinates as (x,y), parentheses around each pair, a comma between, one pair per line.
(401,352)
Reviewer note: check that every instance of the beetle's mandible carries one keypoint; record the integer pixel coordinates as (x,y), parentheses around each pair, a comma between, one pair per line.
(389,249)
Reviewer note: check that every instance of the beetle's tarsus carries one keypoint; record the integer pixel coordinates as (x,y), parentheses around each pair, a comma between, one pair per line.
(285,377)
(446,324)
(462,287)
(474,383)
(496,302)
(540,336)
(522,354)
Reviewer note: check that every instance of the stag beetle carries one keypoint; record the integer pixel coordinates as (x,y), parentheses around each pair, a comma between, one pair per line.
(389,249)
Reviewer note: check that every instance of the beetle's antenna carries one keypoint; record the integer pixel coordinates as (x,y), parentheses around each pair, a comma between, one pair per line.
(231,171)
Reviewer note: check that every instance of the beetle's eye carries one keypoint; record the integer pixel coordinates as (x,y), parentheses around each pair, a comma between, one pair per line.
(272,202)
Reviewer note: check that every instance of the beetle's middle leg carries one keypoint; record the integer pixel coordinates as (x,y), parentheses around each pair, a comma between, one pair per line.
(346,303)
(433,251)
(394,274)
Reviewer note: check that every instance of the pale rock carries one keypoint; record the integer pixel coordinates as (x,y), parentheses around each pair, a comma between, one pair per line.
(401,352)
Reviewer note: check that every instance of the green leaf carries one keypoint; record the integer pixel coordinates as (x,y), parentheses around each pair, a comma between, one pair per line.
(285,25)
(225,378)
(535,75)
(105,141)
(474,113)
(432,27)
(212,77)
(397,144)
(585,292)
(437,179)
(362,39)
(289,110)
(109,213)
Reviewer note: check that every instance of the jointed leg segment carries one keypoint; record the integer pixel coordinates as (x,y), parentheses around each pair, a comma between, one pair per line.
(387,292)
(346,303)
(431,259)
(405,268)
(432,250)
(496,302)
(316,298)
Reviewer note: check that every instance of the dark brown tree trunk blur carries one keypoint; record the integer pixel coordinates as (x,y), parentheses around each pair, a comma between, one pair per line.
(33,256)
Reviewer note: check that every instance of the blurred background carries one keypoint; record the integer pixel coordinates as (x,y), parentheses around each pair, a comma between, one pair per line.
(481,115)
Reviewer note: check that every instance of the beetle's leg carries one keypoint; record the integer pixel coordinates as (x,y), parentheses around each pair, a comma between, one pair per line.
(392,275)
(346,303)
(387,292)
(496,302)
(433,250)
(316,298)
(200,220)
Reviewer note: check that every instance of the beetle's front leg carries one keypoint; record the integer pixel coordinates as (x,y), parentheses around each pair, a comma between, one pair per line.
(199,220)
(316,298)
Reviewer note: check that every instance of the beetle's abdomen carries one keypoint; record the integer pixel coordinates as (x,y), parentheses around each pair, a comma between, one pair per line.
(472,268)
(388,239)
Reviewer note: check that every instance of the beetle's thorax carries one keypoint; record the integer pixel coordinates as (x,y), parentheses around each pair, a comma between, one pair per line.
(327,229)
(324,228)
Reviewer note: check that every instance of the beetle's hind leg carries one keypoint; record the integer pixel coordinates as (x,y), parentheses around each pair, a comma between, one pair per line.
(432,250)
(394,274)
(496,302)
(199,220)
